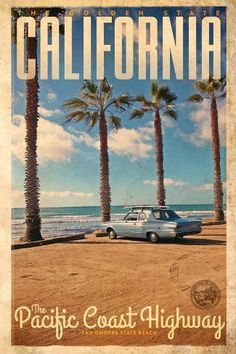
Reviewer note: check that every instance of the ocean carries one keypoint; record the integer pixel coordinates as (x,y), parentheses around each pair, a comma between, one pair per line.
(61,221)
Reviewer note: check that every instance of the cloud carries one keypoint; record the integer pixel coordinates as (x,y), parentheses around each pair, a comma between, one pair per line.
(150,182)
(67,194)
(207,187)
(134,143)
(201,135)
(131,142)
(88,140)
(54,143)
(18,96)
(48,112)
(167,181)
(51,95)
(204,187)
(51,197)
(171,182)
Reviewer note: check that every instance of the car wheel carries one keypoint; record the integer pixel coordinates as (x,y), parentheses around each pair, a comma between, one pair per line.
(111,233)
(153,237)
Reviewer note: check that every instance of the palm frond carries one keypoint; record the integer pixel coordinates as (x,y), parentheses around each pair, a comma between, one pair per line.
(171,113)
(105,86)
(196,98)
(163,92)
(90,86)
(74,103)
(92,119)
(76,116)
(138,113)
(145,103)
(210,79)
(211,87)
(89,97)
(216,85)
(170,98)
(166,95)
(121,103)
(202,86)
(223,79)
(222,85)
(124,99)
(154,89)
(140,98)
(221,96)
(114,122)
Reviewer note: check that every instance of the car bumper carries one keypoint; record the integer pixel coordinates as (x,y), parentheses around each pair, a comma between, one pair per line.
(195,232)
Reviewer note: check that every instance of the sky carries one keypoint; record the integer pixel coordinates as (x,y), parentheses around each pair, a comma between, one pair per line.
(69,154)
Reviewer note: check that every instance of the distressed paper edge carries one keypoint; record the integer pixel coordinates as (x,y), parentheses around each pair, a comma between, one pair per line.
(5,170)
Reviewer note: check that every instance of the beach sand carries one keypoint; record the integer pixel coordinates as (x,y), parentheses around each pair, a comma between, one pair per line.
(114,275)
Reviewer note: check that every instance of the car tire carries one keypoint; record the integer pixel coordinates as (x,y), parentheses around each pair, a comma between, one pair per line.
(111,233)
(153,237)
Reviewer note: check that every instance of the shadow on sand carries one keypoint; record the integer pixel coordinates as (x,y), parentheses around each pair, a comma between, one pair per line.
(132,240)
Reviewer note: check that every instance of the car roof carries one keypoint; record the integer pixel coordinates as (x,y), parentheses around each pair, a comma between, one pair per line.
(146,207)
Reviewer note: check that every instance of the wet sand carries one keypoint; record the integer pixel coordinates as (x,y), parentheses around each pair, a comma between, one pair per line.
(114,275)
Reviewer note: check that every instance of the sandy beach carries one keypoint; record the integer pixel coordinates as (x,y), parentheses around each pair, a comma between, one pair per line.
(113,275)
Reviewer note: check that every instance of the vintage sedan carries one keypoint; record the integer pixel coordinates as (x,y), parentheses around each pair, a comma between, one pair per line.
(154,223)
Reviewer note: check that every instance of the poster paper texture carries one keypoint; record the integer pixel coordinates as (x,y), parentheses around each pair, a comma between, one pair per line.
(118,195)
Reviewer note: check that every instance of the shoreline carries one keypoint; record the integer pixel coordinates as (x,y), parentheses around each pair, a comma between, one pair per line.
(62,222)
(17,243)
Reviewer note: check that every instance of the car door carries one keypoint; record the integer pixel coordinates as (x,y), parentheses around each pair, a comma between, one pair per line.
(129,227)
(141,225)
(163,225)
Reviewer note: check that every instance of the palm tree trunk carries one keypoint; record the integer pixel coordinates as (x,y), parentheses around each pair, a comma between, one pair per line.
(218,190)
(161,195)
(105,191)
(32,209)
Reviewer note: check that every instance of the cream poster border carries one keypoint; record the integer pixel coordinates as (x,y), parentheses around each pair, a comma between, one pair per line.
(5,183)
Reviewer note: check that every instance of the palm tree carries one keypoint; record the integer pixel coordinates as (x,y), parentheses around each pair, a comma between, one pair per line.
(31,185)
(162,100)
(96,104)
(214,90)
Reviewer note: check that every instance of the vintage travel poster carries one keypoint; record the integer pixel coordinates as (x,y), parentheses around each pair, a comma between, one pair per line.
(118,182)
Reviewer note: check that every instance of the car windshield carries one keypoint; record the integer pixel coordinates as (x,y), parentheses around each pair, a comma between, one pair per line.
(165,214)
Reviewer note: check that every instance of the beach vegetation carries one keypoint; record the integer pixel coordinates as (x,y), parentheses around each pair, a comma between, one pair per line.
(31,184)
(161,104)
(214,91)
(96,104)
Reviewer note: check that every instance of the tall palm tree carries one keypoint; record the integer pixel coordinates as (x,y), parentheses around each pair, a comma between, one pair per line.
(31,185)
(96,104)
(214,90)
(162,101)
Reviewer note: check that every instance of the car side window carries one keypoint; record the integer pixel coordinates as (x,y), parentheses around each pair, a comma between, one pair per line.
(164,215)
(142,216)
(157,214)
(131,217)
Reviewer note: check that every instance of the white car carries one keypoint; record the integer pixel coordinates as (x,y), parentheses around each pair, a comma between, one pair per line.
(154,223)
